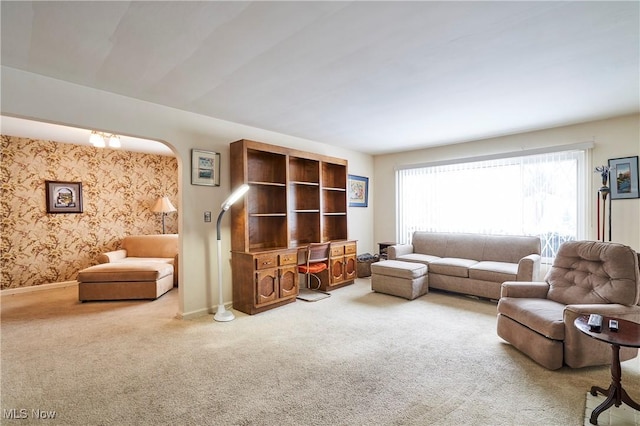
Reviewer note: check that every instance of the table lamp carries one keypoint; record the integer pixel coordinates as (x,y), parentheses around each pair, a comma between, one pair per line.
(163,206)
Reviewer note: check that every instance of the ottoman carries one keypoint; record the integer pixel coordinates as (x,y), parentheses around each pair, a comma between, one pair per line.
(124,281)
(403,279)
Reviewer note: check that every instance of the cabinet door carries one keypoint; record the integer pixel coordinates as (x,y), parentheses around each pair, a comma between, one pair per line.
(337,269)
(350,267)
(266,286)
(288,281)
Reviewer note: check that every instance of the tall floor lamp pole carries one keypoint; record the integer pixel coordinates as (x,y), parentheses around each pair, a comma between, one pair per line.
(222,314)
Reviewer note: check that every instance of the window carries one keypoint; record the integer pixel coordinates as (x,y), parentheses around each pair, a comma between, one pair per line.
(539,194)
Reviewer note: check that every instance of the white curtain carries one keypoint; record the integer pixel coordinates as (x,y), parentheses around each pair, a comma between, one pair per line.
(538,194)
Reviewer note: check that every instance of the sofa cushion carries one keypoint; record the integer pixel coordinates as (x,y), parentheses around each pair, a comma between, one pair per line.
(594,272)
(494,271)
(540,315)
(452,266)
(509,248)
(417,257)
(429,242)
(465,246)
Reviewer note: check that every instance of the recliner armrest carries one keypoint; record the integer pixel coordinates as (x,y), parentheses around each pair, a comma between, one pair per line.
(526,289)
(112,256)
(398,250)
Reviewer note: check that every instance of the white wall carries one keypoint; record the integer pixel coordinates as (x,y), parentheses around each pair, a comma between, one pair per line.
(40,98)
(613,138)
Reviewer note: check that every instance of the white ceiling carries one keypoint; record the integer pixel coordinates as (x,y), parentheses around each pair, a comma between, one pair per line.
(371,76)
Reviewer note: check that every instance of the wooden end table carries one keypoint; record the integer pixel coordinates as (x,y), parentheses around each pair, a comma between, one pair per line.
(628,335)
(383,248)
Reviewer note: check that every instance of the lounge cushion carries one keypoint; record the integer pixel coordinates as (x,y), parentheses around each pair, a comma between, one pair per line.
(125,271)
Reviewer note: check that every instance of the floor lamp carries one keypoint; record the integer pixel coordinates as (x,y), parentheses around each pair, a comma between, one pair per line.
(222,314)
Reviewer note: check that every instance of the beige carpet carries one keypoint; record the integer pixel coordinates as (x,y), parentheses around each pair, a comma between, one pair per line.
(356,358)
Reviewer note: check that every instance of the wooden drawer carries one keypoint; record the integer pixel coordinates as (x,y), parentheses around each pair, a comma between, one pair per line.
(267,260)
(337,250)
(288,258)
(350,249)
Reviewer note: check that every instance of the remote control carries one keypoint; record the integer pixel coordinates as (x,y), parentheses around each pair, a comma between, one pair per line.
(595,322)
(613,325)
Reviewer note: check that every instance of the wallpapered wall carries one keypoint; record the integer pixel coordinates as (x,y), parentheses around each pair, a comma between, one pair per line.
(118,187)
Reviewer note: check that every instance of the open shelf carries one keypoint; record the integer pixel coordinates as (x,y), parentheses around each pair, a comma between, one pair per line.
(264,166)
(304,170)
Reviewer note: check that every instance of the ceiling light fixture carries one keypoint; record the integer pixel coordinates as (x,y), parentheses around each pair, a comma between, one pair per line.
(99,140)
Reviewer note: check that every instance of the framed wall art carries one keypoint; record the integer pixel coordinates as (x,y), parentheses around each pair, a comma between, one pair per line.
(358,191)
(63,197)
(624,178)
(205,168)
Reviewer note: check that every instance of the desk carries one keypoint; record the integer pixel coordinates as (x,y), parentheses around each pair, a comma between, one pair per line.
(629,336)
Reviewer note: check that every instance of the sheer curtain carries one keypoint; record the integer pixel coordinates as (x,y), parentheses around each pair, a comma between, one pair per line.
(542,194)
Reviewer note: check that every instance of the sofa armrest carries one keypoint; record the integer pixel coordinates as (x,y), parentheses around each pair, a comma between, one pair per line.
(529,268)
(526,289)
(112,256)
(398,250)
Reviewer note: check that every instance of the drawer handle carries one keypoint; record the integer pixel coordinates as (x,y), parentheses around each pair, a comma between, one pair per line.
(267,262)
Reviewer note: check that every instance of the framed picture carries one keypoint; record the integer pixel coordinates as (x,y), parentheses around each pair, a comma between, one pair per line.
(358,191)
(63,197)
(205,168)
(624,178)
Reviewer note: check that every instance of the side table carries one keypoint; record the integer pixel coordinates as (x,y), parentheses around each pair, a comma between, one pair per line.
(383,248)
(628,335)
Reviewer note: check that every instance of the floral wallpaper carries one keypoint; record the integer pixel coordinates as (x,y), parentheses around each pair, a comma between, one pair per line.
(118,190)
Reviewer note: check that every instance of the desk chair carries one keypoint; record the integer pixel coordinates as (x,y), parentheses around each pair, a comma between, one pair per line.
(317,260)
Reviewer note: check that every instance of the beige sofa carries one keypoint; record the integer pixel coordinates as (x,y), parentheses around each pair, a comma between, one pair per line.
(472,264)
(587,277)
(146,248)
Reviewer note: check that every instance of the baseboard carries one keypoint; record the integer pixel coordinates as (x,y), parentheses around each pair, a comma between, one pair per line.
(41,287)
(201,312)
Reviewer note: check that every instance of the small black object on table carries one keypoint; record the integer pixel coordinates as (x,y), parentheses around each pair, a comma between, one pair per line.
(627,334)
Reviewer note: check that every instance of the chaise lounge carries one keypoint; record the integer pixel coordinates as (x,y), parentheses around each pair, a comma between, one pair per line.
(145,267)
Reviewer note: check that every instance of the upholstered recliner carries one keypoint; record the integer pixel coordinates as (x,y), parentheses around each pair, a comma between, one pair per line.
(586,277)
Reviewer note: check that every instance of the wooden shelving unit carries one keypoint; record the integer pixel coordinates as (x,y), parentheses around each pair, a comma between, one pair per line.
(295,198)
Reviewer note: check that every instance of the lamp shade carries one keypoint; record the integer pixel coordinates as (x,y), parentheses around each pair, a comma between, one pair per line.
(163,205)
(239,192)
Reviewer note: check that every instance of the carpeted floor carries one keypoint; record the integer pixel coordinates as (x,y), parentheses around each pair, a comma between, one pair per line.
(355,358)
